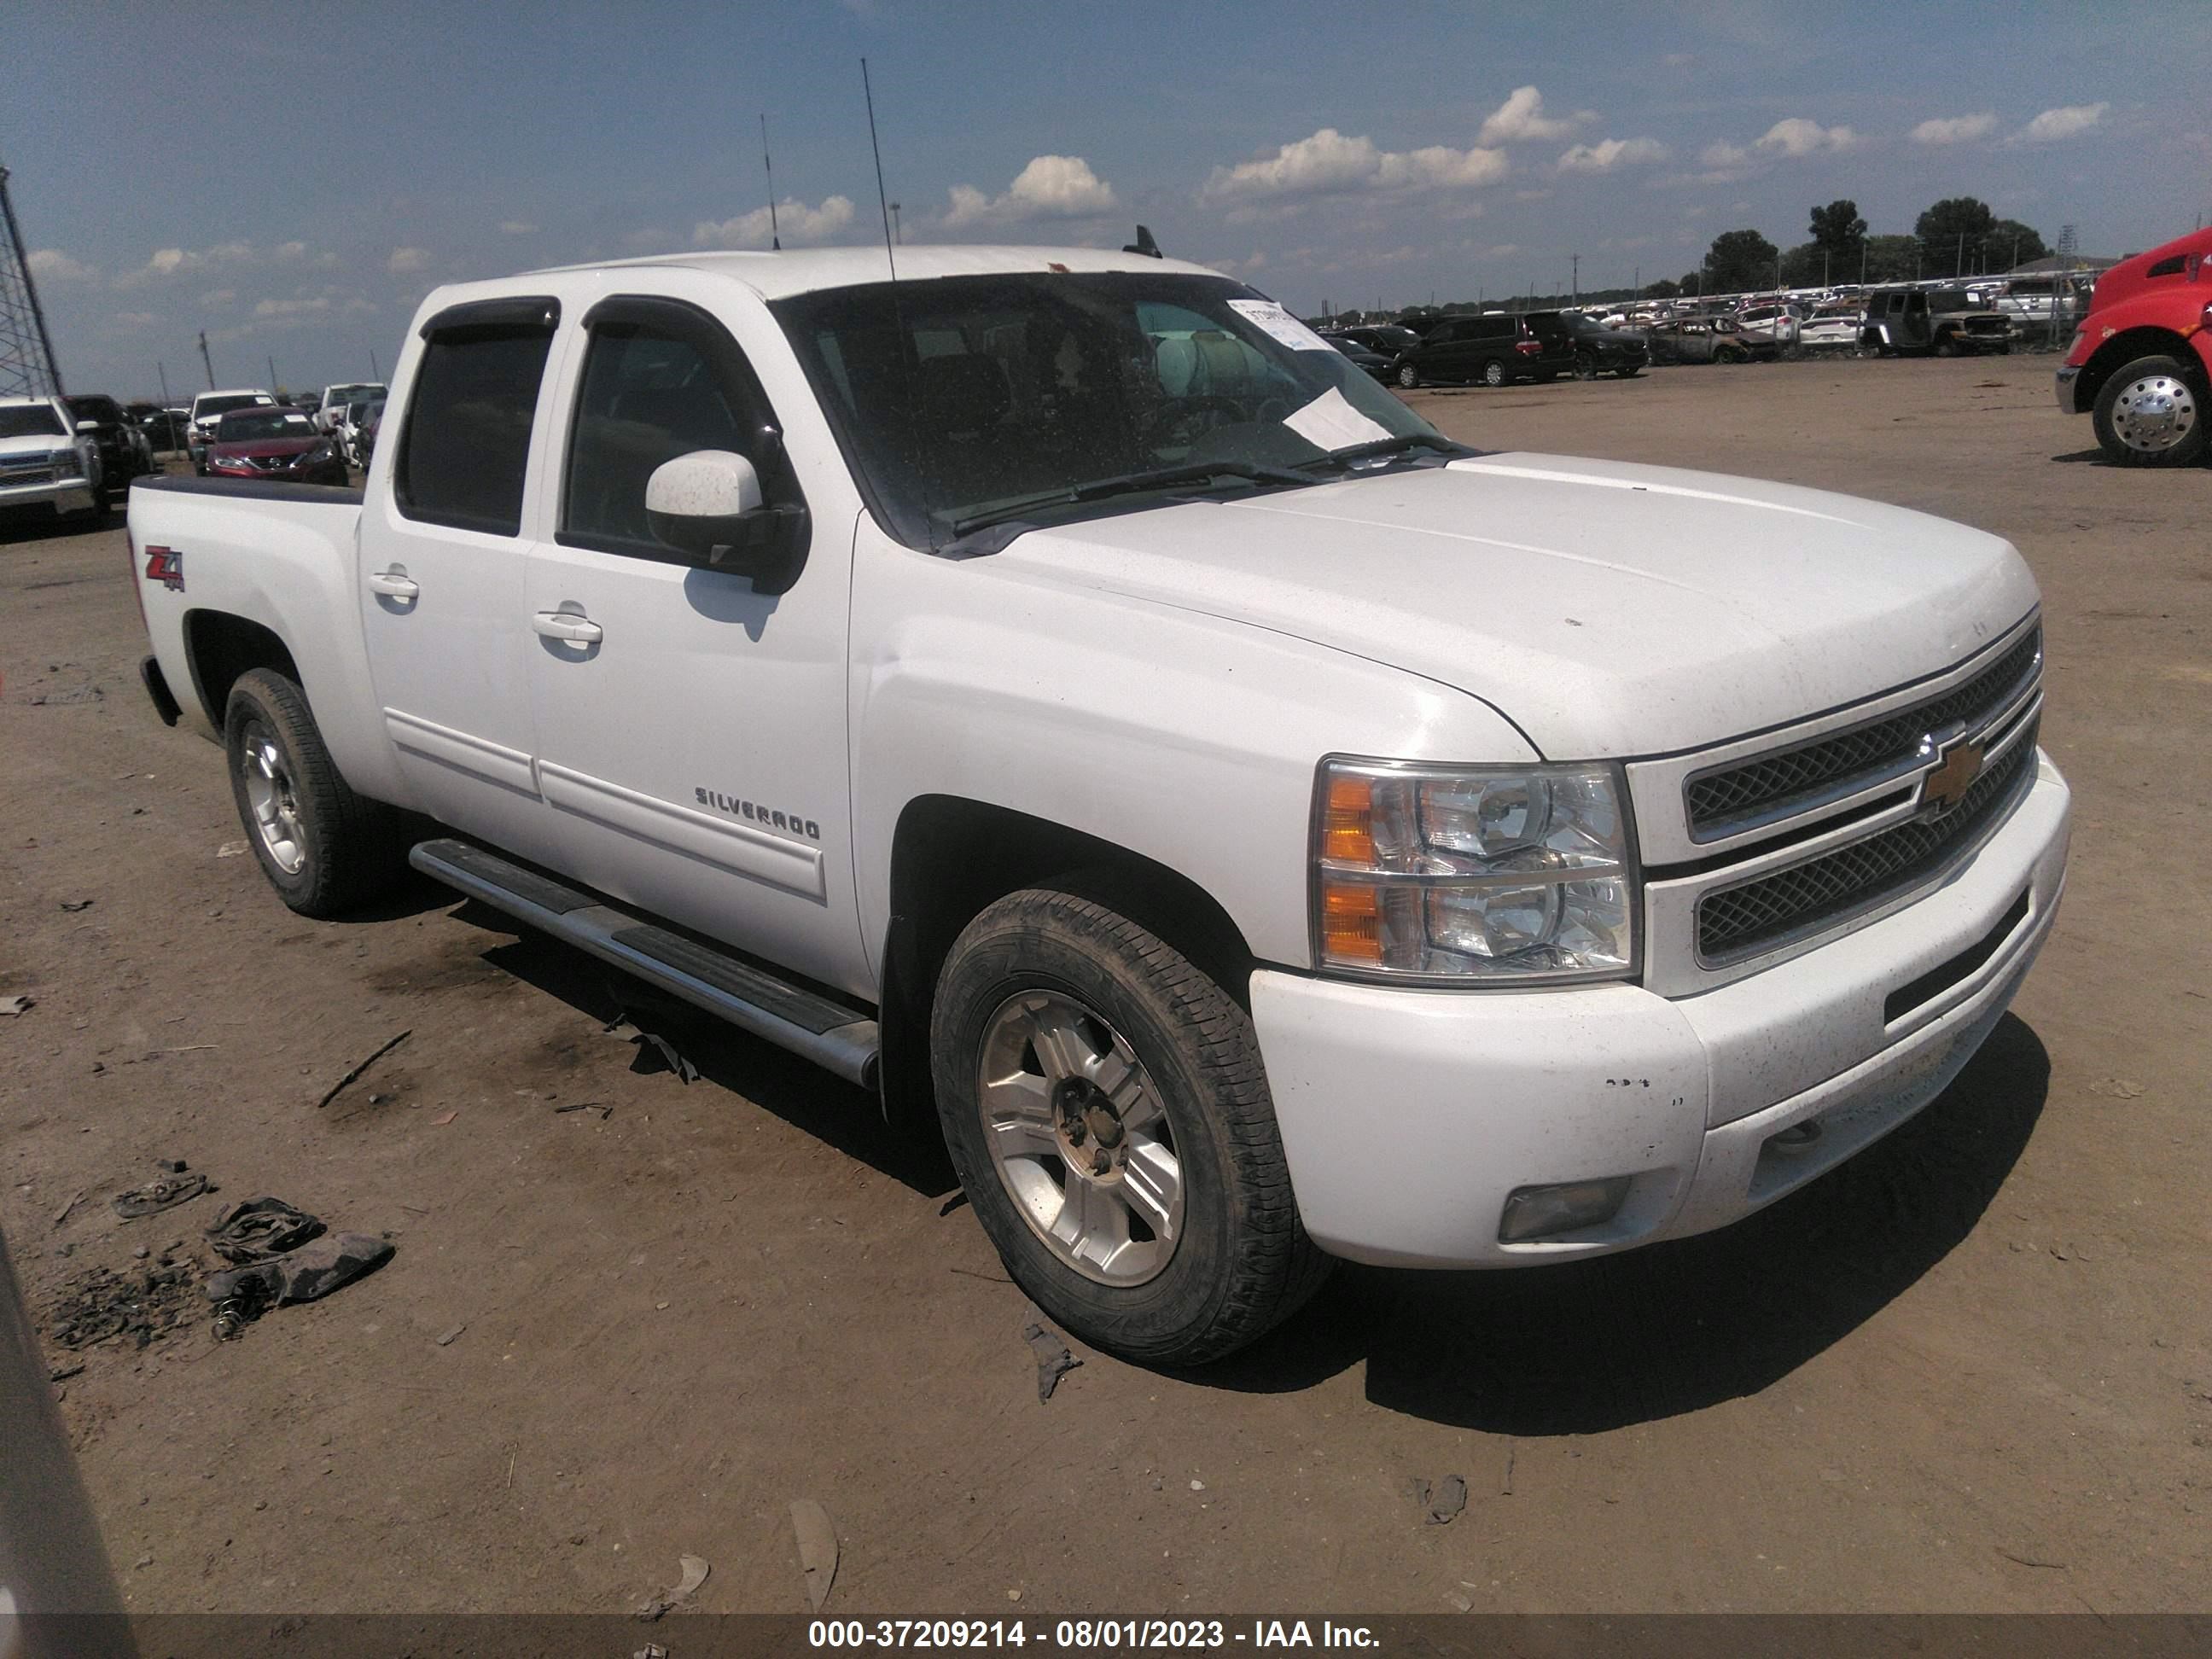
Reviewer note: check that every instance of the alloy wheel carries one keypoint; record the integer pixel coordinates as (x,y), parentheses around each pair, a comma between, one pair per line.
(2154,413)
(275,803)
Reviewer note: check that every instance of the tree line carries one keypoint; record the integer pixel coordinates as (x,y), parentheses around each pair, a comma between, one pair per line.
(1957,236)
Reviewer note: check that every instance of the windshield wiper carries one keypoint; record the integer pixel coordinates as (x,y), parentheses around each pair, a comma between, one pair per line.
(1341,458)
(1130,484)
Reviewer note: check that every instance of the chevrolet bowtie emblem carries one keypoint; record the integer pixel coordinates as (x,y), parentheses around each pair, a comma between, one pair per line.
(1942,789)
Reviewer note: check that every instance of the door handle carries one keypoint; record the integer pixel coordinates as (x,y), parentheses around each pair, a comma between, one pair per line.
(568,625)
(394,584)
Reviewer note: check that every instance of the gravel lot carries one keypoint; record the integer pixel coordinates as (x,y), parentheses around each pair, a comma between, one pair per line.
(1970,1371)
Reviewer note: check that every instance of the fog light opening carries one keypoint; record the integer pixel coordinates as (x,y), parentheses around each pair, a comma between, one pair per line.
(1533,1212)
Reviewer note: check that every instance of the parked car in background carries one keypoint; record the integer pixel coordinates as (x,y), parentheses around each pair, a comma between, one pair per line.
(1372,362)
(329,408)
(124,454)
(276,443)
(211,407)
(48,467)
(1384,339)
(1941,322)
(1598,350)
(163,428)
(2140,363)
(1494,349)
(1835,327)
(365,441)
(1777,319)
(346,429)
(1709,340)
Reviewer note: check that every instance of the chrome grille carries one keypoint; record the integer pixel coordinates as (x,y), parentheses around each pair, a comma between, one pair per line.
(1734,921)
(40,475)
(1773,785)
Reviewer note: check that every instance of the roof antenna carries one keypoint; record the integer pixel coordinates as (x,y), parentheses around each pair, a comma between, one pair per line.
(882,199)
(774,241)
(1143,245)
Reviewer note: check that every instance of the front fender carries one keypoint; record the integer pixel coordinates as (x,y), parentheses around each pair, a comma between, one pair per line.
(1187,739)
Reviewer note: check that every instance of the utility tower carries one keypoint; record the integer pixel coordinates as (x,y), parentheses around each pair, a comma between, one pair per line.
(26,352)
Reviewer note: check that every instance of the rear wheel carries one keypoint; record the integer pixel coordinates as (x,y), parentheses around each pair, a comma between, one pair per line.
(2150,413)
(1493,373)
(1104,1105)
(324,849)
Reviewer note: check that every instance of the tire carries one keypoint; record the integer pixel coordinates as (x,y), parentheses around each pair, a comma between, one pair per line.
(1110,999)
(1585,367)
(1947,346)
(1493,373)
(326,850)
(1731,357)
(1409,378)
(2151,412)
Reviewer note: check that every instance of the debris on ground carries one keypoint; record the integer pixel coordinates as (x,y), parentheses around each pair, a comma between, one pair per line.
(651,1650)
(651,1047)
(63,1214)
(2116,1088)
(605,1109)
(12,1005)
(257,1229)
(450,1337)
(63,1373)
(1505,1482)
(164,1191)
(231,849)
(1444,1500)
(817,1548)
(443,1119)
(73,905)
(1053,1361)
(100,1304)
(695,1574)
(354,1075)
(315,1270)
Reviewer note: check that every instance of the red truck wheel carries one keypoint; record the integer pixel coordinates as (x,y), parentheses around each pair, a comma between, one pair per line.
(2150,413)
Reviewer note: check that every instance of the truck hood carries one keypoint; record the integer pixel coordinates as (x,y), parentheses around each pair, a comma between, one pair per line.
(33,443)
(1606,609)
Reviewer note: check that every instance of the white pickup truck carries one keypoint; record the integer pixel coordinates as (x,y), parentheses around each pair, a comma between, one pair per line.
(1056,689)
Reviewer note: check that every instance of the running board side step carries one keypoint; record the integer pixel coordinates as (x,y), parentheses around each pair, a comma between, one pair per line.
(838,1038)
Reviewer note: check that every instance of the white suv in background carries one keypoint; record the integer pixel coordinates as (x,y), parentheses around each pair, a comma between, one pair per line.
(331,410)
(208,409)
(46,463)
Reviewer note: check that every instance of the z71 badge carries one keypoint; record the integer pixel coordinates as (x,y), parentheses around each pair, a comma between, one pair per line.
(166,565)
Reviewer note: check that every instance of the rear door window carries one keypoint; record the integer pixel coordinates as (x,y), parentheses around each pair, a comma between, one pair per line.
(466,450)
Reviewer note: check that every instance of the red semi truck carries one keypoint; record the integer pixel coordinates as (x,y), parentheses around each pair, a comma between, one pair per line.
(2141,365)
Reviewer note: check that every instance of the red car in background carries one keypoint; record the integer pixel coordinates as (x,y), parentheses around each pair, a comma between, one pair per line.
(282,444)
(2141,361)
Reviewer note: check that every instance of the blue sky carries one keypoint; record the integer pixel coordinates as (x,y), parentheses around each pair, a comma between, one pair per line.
(293,178)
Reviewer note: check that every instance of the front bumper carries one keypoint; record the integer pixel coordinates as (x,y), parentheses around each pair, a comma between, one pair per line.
(1409,1116)
(59,495)
(2067,375)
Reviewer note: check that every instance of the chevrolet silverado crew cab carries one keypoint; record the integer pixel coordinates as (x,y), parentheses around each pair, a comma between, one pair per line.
(1056,688)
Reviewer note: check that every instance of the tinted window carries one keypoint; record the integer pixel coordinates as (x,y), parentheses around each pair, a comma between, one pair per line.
(30,421)
(95,409)
(466,445)
(249,424)
(659,382)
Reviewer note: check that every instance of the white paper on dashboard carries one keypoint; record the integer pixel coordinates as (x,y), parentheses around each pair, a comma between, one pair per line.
(1279,322)
(1330,422)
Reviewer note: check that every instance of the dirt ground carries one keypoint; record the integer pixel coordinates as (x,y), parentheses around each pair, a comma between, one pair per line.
(1970,1370)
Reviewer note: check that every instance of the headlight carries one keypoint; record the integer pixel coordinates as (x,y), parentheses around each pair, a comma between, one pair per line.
(68,463)
(1497,874)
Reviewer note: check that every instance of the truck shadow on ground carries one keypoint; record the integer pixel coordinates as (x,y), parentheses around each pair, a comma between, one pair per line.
(1655,1332)
(810,1100)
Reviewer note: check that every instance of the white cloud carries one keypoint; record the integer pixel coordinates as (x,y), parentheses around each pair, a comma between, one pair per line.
(405,259)
(1049,187)
(1798,136)
(1954,129)
(1329,163)
(280,308)
(137,319)
(1530,195)
(220,296)
(1722,153)
(50,265)
(181,261)
(1522,118)
(796,223)
(516,227)
(1610,153)
(2069,121)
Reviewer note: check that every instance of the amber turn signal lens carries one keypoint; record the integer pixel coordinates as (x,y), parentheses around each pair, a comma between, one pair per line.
(1348,829)
(1351,923)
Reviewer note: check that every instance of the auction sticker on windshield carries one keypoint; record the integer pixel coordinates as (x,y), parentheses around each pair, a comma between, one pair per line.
(1279,323)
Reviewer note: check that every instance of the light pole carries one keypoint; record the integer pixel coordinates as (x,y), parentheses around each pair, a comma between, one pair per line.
(896,234)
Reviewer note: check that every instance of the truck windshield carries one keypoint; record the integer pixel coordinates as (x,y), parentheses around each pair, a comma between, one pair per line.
(30,421)
(963,401)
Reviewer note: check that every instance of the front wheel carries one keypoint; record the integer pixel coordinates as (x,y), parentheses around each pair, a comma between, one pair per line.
(324,849)
(1493,373)
(1408,376)
(2150,414)
(1585,367)
(1104,1105)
